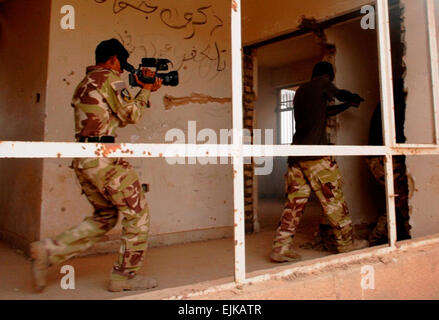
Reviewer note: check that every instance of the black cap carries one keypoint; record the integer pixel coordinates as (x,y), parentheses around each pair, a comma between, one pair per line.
(323,68)
(112,47)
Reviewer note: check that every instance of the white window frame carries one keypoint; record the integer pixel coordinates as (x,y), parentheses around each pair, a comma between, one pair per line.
(280,112)
(237,150)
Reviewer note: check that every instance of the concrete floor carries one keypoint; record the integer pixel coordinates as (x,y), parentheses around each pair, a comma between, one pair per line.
(174,266)
(183,270)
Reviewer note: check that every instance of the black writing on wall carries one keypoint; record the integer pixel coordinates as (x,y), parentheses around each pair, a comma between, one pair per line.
(210,56)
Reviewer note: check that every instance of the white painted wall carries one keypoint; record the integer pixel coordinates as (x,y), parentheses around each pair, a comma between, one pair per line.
(266,19)
(269,81)
(23,52)
(424,171)
(356,66)
(182,198)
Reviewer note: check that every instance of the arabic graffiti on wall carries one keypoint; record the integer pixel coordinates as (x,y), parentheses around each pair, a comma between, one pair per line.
(210,56)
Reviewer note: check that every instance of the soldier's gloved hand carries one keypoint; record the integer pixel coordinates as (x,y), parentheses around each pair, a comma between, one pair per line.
(356,100)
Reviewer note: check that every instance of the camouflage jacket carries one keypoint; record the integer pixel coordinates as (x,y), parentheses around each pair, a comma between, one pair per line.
(103,103)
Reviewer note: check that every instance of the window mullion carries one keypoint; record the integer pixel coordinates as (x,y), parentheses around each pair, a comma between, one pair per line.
(238,166)
(431,19)
(387,107)
(390,193)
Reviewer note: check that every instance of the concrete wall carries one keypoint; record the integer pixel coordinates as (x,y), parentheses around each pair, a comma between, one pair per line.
(419,115)
(270,80)
(266,19)
(356,64)
(424,171)
(190,198)
(269,186)
(24,36)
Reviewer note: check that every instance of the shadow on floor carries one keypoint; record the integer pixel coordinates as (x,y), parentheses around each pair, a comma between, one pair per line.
(173,266)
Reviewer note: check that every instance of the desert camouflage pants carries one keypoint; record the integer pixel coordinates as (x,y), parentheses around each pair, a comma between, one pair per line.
(376,167)
(324,178)
(113,188)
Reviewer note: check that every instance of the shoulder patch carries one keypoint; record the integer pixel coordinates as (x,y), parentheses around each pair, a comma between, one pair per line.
(118,85)
(126,95)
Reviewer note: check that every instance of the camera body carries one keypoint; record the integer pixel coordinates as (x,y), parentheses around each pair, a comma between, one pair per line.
(169,78)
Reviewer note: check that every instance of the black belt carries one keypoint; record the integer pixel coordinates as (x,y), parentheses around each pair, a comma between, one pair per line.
(104,139)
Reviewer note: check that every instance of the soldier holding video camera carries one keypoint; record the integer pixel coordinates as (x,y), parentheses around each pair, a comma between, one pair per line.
(102,103)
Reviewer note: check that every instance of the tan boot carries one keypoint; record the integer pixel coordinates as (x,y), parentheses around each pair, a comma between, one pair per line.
(40,265)
(288,256)
(356,245)
(318,244)
(136,283)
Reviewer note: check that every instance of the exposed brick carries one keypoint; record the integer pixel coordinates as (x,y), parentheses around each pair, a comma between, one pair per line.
(248,123)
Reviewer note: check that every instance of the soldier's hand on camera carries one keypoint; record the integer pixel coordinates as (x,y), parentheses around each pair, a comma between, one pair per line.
(146,73)
(151,86)
(156,85)
(140,83)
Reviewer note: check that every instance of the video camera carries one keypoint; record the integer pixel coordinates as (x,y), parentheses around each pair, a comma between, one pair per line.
(169,79)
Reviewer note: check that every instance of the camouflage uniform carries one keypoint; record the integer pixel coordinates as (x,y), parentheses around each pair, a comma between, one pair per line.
(102,104)
(324,177)
(377,168)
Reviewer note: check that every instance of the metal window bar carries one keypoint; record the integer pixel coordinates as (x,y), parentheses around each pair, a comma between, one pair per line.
(287,98)
(238,166)
(24,149)
(387,107)
(47,150)
(287,129)
(434,63)
(285,111)
(287,126)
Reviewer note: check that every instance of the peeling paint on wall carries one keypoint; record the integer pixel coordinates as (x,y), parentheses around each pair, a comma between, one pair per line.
(171,102)
(328,49)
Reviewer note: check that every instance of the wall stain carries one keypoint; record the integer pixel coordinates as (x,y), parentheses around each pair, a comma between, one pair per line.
(411,184)
(170,102)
